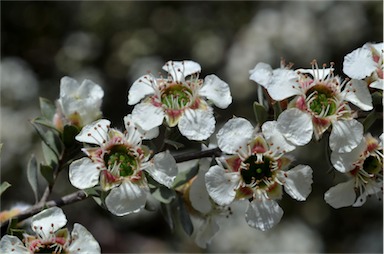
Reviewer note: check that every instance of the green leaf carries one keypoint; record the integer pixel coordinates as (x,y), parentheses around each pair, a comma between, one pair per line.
(4,186)
(32,170)
(163,194)
(185,176)
(47,173)
(184,217)
(44,122)
(50,157)
(277,109)
(176,145)
(69,134)
(369,120)
(47,108)
(260,112)
(166,210)
(51,139)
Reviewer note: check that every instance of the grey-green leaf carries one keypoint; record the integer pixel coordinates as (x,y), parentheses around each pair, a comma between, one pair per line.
(260,112)
(48,108)
(32,174)
(4,186)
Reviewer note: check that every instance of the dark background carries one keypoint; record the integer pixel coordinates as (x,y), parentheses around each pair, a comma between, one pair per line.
(113,43)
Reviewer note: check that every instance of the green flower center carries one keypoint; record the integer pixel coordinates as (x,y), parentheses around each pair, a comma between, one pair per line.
(121,156)
(372,165)
(258,169)
(176,96)
(321,101)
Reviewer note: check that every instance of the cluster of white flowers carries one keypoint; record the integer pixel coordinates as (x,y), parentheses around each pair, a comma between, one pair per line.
(255,162)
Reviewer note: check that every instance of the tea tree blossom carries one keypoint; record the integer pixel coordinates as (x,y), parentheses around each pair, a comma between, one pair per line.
(180,99)
(50,237)
(256,171)
(116,163)
(366,63)
(320,101)
(79,104)
(364,167)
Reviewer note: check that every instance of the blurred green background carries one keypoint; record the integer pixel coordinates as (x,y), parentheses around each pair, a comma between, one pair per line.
(115,42)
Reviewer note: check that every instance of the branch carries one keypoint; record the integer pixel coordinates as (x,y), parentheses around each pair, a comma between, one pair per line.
(65,200)
(197,155)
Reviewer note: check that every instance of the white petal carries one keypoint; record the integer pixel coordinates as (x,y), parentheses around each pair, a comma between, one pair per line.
(261,74)
(217,91)
(148,116)
(12,244)
(359,63)
(197,124)
(83,241)
(95,133)
(198,194)
(206,232)
(181,69)
(68,86)
(164,169)
(90,90)
(371,188)
(274,137)
(131,125)
(142,87)
(296,126)
(341,195)
(84,173)
(127,198)
(297,182)
(48,221)
(343,162)
(345,135)
(378,84)
(357,93)
(234,134)
(221,186)
(283,84)
(263,214)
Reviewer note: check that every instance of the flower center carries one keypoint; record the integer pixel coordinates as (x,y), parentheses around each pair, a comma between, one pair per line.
(121,157)
(258,170)
(176,96)
(372,165)
(54,246)
(321,101)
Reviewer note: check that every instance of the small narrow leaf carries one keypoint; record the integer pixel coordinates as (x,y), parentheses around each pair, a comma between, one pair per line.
(32,174)
(47,173)
(185,176)
(260,112)
(184,217)
(4,186)
(168,216)
(173,143)
(47,108)
(276,109)
(163,194)
(369,120)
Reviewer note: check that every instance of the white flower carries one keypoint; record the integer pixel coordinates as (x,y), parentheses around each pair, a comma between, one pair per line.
(116,163)
(179,99)
(206,213)
(79,104)
(50,237)
(364,166)
(256,172)
(366,63)
(320,101)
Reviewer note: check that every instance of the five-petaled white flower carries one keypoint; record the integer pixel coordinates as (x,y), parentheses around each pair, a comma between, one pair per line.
(364,166)
(50,237)
(256,171)
(321,100)
(117,163)
(180,99)
(366,63)
(78,105)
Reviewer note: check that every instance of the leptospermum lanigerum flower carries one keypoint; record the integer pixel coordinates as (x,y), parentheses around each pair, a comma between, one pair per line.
(321,100)
(364,167)
(180,99)
(79,104)
(366,63)
(116,163)
(256,171)
(50,237)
